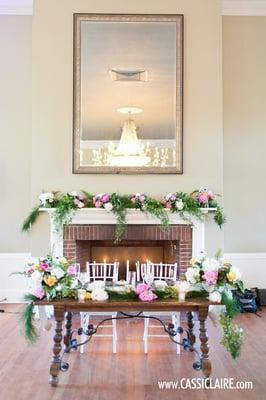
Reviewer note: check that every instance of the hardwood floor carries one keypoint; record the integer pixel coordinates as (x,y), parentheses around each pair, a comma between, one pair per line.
(128,375)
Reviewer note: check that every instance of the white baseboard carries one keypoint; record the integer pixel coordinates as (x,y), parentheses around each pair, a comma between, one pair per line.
(252,266)
(12,287)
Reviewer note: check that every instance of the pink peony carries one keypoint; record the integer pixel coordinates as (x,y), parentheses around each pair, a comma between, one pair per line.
(147,295)
(141,287)
(210,277)
(39,293)
(71,270)
(173,197)
(98,204)
(203,198)
(44,266)
(105,198)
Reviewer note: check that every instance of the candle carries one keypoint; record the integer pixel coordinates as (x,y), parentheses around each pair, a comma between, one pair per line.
(81,294)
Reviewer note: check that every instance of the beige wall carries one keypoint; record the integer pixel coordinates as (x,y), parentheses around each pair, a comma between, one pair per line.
(15,130)
(244,70)
(52,101)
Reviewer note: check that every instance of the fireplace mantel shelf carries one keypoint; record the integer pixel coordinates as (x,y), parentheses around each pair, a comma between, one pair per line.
(134,217)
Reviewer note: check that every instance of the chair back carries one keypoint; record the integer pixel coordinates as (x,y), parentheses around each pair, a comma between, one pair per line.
(103,271)
(160,271)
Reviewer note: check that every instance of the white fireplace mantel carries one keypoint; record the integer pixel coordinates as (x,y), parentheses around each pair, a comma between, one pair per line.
(98,216)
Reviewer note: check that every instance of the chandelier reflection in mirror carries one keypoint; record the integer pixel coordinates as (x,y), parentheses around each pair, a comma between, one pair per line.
(129,151)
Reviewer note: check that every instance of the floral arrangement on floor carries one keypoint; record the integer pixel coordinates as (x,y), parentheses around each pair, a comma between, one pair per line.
(186,205)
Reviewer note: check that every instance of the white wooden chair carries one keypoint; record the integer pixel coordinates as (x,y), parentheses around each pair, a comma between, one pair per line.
(101,272)
(161,272)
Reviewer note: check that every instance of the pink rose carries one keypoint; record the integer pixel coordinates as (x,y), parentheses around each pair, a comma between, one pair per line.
(98,204)
(147,295)
(203,199)
(44,266)
(141,287)
(168,206)
(105,198)
(141,198)
(39,293)
(29,271)
(173,197)
(210,277)
(71,271)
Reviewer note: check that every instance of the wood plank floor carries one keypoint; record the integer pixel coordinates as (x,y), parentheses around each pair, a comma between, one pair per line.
(128,375)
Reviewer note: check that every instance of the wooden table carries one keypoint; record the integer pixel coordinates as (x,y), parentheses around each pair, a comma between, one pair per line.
(66,307)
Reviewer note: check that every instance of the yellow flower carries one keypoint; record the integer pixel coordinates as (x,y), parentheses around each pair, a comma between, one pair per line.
(63,260)
(88,296)
(193,260)
(36,266)
(50,280)
(231,276)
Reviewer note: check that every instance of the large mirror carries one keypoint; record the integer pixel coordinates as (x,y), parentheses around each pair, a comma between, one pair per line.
(128,82)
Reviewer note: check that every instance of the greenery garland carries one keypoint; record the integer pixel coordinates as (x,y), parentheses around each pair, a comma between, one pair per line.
(27,319)
(65,205)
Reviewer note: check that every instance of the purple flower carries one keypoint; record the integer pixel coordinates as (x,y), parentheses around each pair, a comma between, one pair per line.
(39,293)
(98,204)
(71,271)
(147,295)
(141,288)
(141,198)
(210,277)
(105,198)
(173,197)
(44,266)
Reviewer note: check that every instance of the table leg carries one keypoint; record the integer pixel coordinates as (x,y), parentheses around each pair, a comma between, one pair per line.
(68,326)
(190,323)
(55,366)
(204,347)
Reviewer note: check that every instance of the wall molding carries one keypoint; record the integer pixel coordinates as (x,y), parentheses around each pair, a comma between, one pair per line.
(244,8)
(230,7)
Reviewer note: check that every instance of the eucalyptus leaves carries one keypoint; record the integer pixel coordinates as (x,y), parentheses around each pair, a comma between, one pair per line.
(184,204)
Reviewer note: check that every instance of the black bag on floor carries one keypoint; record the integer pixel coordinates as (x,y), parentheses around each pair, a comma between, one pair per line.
(246,301)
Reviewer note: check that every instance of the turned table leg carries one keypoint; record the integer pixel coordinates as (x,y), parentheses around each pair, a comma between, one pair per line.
(55,366)
(204,347)
(68,326)
(190,323)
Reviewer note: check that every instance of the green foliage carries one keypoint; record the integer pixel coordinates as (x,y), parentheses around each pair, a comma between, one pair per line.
(219,217)
(31,218)
(64,210)
(125,295)
(88,199)
(232,335)
(30,332)
(120,205)
(169,292)
(156,209)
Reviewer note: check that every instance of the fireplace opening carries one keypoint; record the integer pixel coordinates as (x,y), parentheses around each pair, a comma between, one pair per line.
(125,251)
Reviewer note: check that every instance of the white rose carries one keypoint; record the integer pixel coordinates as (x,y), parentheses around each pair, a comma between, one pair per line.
(192,275)
(167,197)
(73,194)
(80,204)
(137,194)
(211,264)
(215,297)
(57,272)
(179,204)
(160,284)
(46,197)
(99,294)
(108,206)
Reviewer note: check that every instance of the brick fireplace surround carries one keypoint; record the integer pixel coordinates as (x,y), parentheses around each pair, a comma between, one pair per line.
(176,242)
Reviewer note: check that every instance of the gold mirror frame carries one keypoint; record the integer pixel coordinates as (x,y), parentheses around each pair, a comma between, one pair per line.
(178,19)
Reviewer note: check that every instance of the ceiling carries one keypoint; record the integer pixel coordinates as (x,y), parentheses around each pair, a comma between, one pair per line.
(230,7)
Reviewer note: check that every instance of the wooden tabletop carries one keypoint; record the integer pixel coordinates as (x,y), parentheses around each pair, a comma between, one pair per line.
(127,305)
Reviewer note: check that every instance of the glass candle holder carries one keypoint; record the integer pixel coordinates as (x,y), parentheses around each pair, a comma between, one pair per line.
(81,294)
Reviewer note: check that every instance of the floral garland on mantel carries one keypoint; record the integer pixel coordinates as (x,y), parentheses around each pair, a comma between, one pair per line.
(186,205)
